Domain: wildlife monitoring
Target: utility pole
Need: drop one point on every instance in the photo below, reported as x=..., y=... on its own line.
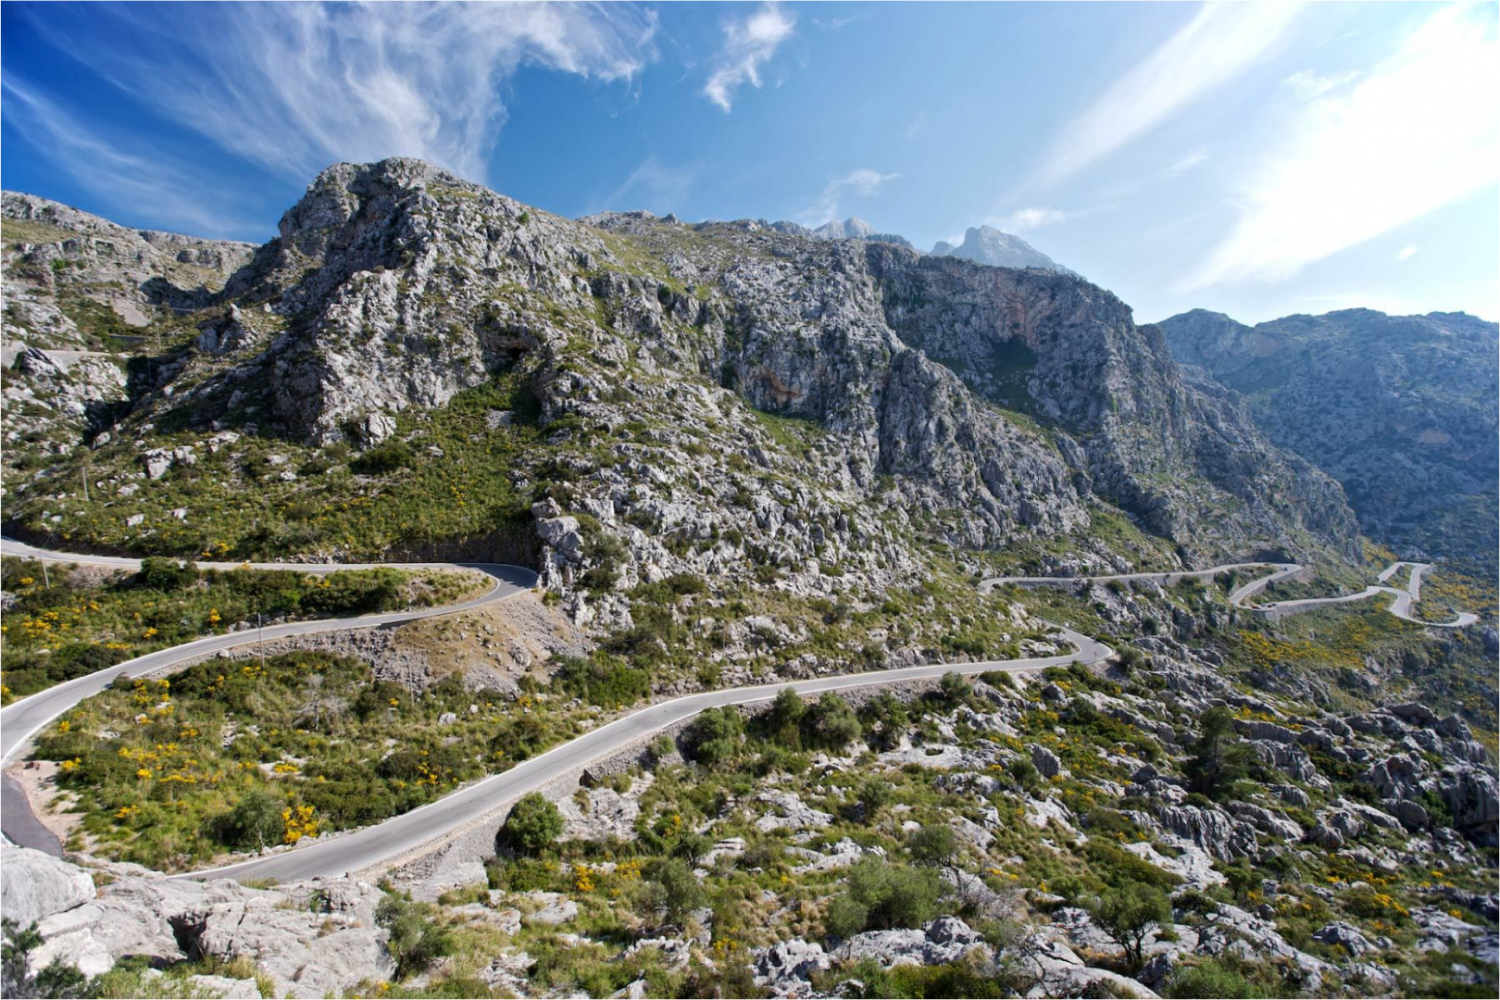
x=85, y=473
x=46, y=579
x=260, y=643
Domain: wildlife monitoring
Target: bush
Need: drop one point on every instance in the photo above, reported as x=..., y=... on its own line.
x=383, y=459
x=160, y=573
x=415, y=942
x=254, y=823
x=533, y=824
x=673, y=890
x=1209, y=980
x=715, y=737
x=1129, y=914
x=880, y=896
x=830, y=724
x=601, y=680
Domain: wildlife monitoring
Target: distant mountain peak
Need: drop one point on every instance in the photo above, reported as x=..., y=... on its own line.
x=852, y=228
x=988, y=245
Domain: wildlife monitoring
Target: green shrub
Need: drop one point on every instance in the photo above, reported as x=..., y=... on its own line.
x=382, y=459
x=160, y=573
x=881, y=896
x=253, y=824
x=716, y=737
x=1209, y=980
x=415, y=941
x=533, y=824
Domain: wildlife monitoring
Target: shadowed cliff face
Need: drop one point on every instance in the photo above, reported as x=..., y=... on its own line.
x=995, y=403
x=1402, y=410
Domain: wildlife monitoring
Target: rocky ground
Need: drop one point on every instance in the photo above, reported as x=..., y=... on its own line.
x=1050, y=835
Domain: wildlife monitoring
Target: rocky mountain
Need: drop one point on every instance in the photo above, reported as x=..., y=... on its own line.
x=395, y=287
x=737, y=454
x=852, y=228
x=988, y=245
x=1402, y=410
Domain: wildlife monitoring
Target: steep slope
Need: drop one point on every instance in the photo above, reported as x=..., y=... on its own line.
x=988, y=245
x=1402, y=410
x=707, y=398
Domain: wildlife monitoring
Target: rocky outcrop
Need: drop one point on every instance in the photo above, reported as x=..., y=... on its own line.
x=988, y=245
x=313, y=940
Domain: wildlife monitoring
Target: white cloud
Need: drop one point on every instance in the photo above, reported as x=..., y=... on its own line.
x=747, y=45
x=1025, y=219
x=1188, y=162
x=297, y=86
x=653, y=185
x=148, y=185
x=1219, y=43
x=1308, y=85
x=862, y=182
x=1406, y=253
x=918, y=125
x=1417, y=132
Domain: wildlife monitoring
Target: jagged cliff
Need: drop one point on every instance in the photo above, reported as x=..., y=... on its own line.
x=395, y=287
x=1402, y=410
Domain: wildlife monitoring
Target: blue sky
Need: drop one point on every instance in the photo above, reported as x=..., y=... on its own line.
x=1257, y=159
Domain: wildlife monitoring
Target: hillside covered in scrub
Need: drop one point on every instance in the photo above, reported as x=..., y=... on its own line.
x=736, y=455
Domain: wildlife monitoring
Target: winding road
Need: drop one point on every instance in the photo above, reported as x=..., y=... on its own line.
x=401, y=835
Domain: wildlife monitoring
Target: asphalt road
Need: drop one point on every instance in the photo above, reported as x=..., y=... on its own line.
x=1400, y=606
x=24, y=719
x=337, y=854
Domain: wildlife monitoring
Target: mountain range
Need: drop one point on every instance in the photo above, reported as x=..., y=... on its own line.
x=728, y=458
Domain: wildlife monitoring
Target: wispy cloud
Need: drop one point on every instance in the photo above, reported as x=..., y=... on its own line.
x=1217, y=45
x=862, y=182
x=1307, y=84
x=1026, y=219
x=748, y=44
x=918, y=125
x=1406, y=253
x=151, y=186
x=1190, y=161
x=653, y=185
x=1417, y=132
x=296, y=86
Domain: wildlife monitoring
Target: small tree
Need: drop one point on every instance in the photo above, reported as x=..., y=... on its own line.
x=56, y=980
x=1219, y=757
x=716, y=737
x=831, y=723
x=414, y=941
x=784, y=719
x=533, y=824
x=254, y=823
x=953, y=687
x=1129, y=913
x=673, y=890
x=881, y=896
x=691, y=847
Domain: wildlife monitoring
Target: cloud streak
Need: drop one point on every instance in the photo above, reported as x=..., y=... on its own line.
x=748, y=45
x=294, y=87
x=862, y=182
x=1217, y=45
x=150, y=185
x=1415, y=133
x=1026, y=219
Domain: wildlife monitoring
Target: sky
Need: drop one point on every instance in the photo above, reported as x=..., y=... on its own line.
x=1258, y=159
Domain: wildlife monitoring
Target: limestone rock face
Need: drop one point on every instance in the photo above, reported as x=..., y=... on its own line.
x=988, y=245
x=884, y=381
x=37, y=885
x=1420, y=465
